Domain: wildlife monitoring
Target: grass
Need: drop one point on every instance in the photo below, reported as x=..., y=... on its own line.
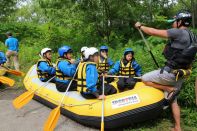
x=165, y=123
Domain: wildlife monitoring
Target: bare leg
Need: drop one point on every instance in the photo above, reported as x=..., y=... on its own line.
x=16, y=63
x=196, y=90
x=158, y=86
x=8, y=55
x=176, y=115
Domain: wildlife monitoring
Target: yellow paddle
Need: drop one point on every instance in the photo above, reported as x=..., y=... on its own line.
x=7, y=81
x=52, y=120
x=14, y=72
x=23, y=99
x=103, y=104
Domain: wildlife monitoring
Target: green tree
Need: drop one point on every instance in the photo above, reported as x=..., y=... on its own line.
x=7, y=7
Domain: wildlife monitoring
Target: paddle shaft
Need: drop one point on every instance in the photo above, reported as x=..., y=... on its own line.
x=122, y=77
x=55, y=113
x=68, y=86
x=46, y=83
x=103, y=105
x=146, y=43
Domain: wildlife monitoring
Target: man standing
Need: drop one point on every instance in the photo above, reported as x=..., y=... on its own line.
x=13, y=45
x=180, y=39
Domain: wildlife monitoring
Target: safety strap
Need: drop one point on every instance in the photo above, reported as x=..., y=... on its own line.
x=193, y=38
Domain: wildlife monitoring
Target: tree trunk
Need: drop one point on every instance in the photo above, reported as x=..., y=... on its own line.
x=193, y=13
x=196, y=90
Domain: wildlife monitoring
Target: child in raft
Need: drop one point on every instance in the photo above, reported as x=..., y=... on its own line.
x=104, y=61
x=2, y=59
x=82, y=58
x=127, y=66
x=82, y=53
x=87, y=77
x=65, y=69
x=45, y=69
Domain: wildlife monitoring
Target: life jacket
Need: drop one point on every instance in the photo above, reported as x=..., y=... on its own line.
x=59, y=74
x=126, y=70
x=81, y=76
x=40, y=73
x=181, y=58
x=103, y=66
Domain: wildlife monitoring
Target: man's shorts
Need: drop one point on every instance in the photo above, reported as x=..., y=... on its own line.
x=165, y=78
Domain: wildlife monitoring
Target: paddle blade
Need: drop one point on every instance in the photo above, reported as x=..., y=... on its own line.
x=51, y=122
x=7, y=81
x=23, y=99
x=15, y=72
x=102, y=126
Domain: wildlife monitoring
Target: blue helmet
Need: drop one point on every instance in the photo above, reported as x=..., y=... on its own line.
x=104, y=48
x=63, y=50
x=128, y=50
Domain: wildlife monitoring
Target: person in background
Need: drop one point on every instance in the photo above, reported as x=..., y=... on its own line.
x=104, y=61
x=65, y=69
x=179, y=52
x=2, y=58
x=45, y=69
x=87, y=77
x=127, y=66
x=13, y=48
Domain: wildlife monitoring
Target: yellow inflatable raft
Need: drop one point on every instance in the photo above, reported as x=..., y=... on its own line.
x=139, y=104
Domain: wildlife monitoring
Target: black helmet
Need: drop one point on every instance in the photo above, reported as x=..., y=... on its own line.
x=185, y=16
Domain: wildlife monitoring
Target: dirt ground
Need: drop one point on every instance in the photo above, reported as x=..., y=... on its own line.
x=31, y=117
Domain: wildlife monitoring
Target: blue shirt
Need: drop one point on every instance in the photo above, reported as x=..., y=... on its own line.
x=67, y=69
x=91, y=77
x=135, y=66
x=2, y=58
x=44, y=67
x=12, y=44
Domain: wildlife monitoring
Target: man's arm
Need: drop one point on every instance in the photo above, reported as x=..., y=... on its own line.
x=152, y=31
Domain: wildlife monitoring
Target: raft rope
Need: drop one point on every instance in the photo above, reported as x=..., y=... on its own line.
x=67, y=105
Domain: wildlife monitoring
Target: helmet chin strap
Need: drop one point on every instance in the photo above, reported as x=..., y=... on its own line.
x=178, y=26
x=40, y=56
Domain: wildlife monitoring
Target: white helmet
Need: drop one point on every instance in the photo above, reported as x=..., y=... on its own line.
x=83, y=48
x=44, y=50
x=90, y=51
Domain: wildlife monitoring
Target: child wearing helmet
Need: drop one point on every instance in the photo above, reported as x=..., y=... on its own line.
x=65, y=69
x=82, y=52
x=87, y=77
x=127, y=66
x=45, y=69
x=104, y=62
x=82, y=58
